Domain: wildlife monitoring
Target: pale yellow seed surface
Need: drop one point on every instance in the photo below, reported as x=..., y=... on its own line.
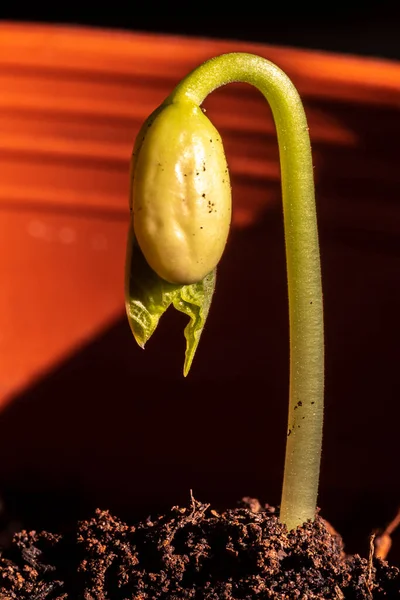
x=181, y=195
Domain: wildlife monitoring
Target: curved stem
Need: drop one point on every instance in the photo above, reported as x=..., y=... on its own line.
x=303, y=448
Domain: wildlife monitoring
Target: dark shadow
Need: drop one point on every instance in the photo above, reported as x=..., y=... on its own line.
x=118, y=427
x=358, y=192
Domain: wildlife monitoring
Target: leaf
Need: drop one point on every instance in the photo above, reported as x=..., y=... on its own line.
x=147, y=297
x=195, y=300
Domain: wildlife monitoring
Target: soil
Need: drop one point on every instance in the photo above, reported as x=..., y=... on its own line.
x=191, y=553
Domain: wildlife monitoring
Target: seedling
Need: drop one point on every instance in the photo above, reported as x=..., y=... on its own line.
x=180, y=205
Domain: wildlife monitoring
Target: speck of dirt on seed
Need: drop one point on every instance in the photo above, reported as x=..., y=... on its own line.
x=211, y=206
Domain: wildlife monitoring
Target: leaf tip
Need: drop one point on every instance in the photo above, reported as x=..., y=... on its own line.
x=189, y=355
x=140, y=343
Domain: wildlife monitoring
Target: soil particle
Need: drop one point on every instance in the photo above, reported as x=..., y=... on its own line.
x=195, y=553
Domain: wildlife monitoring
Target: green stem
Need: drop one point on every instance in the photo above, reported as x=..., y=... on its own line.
x=303, y=448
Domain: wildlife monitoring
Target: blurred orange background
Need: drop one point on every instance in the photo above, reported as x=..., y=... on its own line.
x=88, y=419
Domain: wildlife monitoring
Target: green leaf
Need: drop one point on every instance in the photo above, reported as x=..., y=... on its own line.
x=147, y=297
x=195, y=300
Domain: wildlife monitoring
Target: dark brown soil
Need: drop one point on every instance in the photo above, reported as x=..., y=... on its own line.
x=194, y=553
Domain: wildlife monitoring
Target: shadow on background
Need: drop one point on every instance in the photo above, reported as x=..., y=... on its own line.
x=119, y=427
